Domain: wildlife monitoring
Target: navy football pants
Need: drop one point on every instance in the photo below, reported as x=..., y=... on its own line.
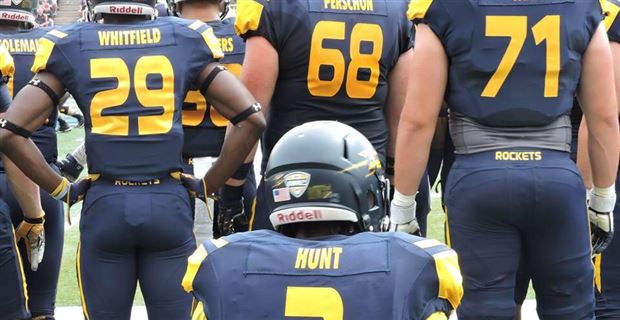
x=499, y=211
x=131, y=234
x=13, y=296
x=608, y=273
x=42, y=284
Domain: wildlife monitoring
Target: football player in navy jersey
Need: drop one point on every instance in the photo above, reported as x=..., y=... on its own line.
x=327, y=60
x=205, y=128
x=13, y=292
x=509, y=72
x=129, y=76
x=20, y=38
x=607, y=264
x=326, y=188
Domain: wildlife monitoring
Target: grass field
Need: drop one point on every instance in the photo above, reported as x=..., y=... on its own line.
x=68, y=293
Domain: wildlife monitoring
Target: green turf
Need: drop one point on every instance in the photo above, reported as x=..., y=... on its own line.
x=68, y=293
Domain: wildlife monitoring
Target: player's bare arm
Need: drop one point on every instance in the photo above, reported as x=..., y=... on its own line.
x=427, y=83
x=398, y=79
x=232, y=99
x=595, y=94
x=260, y=70
x=34, y=106
x=26, y=192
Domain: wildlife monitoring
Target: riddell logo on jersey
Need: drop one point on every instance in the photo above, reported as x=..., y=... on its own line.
x=13, y=16
x=300, y=215
x=126, y=10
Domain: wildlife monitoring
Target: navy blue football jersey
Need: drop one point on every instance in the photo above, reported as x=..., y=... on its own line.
x=265, y=275
x=512, y=63
x=612, y=22
x=130, y=82
x=204, y=127
x=23, y=46
x=334, y=61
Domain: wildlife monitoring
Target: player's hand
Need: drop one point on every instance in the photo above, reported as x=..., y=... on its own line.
x=70, y=168
x=231, y=217
x=602, y=229
x=601, y=221
x=402, y=219
x=77, y=191
x=33, y=233
x=197, y=188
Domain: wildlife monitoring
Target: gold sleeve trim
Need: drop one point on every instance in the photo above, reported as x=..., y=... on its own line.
x=249, y=13
x=193, y=264
x=612, y=13
x=7, y=65
x=46, y=46
x=418, y=9
x=450, y=279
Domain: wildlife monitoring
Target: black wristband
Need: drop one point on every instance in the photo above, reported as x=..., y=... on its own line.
x=254, y=108
x=242, y=172
x=389, y=169
x=230, y=193
x=35, y=220
x=50, y=93
x=8, y=125
x=205, y=85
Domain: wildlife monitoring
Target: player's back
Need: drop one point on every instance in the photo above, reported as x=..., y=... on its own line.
x=265, y=275
x=334, y=60
x=512, y=63
x=23, y=46
x=204, y=127
x=130, y=82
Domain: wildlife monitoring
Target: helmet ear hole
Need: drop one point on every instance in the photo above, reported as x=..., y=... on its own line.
x=372, y=200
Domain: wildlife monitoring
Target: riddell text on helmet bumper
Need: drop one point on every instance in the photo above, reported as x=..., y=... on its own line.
x=126, y=10
x=299, y=215
x=15, y=16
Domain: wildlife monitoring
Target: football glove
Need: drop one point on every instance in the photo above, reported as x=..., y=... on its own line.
x=197, y=188
x=402, y=214
x=33, y=233
x=70, y=168
x=401, y=224
x=71, y=193
x=601, y=218
x=231, y=217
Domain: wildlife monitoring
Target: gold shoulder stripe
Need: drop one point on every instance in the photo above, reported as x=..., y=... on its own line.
x=418, y=9
x=428, y=243
x=199, y=312
x=7, y=65
x=213, y=43
x=193, y=264
x=438, y=316
x=46, y=46
x=612, y=13
x=249, y=13
x=57, y=34
x=450, y=279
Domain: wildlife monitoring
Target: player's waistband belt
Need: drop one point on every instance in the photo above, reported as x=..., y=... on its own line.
x=515, y=156
x=173, y=178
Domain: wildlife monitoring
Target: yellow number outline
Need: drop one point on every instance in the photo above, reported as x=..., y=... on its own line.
x=193, y=118
x=515, y=27
x=320, y=56
x=314, y=302
x=164, y=98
